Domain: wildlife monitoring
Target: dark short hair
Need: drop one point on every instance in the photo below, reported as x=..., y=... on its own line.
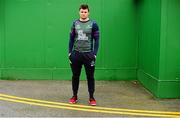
x=84, y=6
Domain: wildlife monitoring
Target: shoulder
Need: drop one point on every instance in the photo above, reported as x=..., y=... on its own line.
x=75, y=22
x=93, y=22
x=94, y=25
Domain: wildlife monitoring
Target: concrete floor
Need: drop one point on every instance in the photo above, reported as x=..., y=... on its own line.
x=111, y=94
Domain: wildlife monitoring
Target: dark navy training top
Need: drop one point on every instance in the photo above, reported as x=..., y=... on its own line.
x=84, y=36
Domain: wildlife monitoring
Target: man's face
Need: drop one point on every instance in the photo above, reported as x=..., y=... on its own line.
x=84, y=13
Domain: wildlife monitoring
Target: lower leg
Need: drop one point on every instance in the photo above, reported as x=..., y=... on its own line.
x=75, y=85
x=91, y=87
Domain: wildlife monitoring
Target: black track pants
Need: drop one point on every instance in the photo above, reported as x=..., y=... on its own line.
x=77, y=59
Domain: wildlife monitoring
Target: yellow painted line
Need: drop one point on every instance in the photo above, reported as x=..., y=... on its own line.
x=91, y=107
x=88, y=110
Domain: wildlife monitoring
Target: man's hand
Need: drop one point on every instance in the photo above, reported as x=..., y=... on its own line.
x=69, y=54
x=95, y=56
x=69, y=58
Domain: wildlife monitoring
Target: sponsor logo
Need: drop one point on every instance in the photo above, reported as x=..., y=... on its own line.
x=81, y=35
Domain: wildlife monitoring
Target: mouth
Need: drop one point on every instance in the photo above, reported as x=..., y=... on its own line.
x=83, y=16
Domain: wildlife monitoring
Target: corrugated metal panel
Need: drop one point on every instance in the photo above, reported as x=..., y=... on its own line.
x=37, y=34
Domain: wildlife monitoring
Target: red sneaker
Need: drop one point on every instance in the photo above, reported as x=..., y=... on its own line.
x=73, y=100
x=92, y=102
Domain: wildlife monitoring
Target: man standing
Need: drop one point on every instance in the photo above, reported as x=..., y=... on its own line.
x=83, y=48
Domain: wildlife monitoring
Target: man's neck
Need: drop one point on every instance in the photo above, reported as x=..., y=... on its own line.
x=84, y=19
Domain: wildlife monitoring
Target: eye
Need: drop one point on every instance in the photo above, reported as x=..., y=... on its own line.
x=84, y=12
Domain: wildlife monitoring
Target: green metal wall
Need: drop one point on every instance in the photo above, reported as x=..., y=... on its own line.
x=159, y=51
x=149, y=15
x=1, y=34
x=169, y=73
x=35, y=33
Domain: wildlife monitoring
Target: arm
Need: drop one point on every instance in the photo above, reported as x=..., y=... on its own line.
x=95, y=34
x=71, y=38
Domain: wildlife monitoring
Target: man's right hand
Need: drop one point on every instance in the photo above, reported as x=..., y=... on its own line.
x=69, y=54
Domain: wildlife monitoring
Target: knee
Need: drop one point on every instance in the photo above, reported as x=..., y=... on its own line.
x=90, y=77
x=75, y=76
